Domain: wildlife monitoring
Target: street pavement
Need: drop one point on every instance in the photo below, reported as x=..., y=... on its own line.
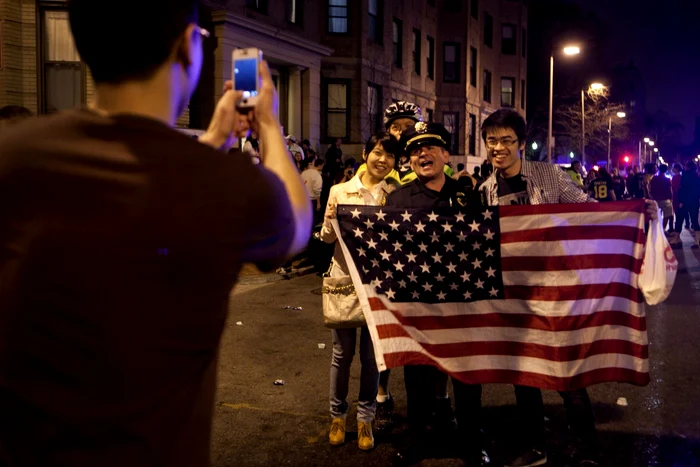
x=259, y=424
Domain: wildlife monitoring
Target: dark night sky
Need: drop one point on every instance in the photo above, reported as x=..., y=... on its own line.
x=662, y=38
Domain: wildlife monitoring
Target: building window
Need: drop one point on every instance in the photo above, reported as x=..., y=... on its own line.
x=428, y=115
x=258, y=5
x=416, y=51
x=453, y=5
x=472, y=67
x=522, y=94
x=475, y=9
x=450, y=62
x=472, y=134
x=523, y=43
x=376, y=20
x=450, y=121
x=487, y=86
x=374, y=105
x=338, y=16
x=62, y=71
x=337, y=109
x=508, y=42
x=507, y=92
x=430, y=61
x=397, y=42
x=488, y=30
x=295, y=11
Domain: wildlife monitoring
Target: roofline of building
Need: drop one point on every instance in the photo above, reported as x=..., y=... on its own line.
x=259, y=27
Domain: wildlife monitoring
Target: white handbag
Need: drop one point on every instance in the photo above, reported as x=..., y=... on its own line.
x=341, y=306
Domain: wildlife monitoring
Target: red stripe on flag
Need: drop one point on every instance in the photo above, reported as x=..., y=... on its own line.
x=518, y=320
x=570, y=263
x=580, y=208
x=603, y=375
x=574, y=232
x=544, y=352
x=572, y=292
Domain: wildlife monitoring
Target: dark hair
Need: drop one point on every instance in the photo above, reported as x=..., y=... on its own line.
x=387, y=141
x=505, y=119
x=678, y=167
x=460, y=167
x=306, y=142
x=663, y=168
x=604, y=174
x=318, y=162
x=15, y=112
x=573, y=163
x=477, y=169
x=649, y=168
x=129, y=39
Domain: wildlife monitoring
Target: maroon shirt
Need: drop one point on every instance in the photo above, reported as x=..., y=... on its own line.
x=120, y=240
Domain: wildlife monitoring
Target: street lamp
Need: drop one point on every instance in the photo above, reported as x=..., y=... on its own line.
x=597, y=87
x=619, y=115
x=656, y=149
x=646, y=140
x=534, y=146
x=568, y=50
x=594, y=88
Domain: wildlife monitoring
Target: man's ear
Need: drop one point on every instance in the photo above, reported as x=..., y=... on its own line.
x=364, y=155
x=184, y=46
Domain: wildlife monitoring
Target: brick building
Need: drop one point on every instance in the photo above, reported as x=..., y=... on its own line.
x=458, y=59
x=336, y=63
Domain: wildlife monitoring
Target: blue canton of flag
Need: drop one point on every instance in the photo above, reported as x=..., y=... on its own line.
x=425, y=255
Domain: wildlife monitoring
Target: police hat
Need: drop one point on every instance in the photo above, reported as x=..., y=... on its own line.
x=425, y=134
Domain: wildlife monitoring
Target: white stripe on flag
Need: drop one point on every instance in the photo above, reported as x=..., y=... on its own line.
x=541, y=221
x=575, y=277
x=570, y=248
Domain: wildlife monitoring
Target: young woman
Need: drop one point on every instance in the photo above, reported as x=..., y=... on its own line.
x=367, y=188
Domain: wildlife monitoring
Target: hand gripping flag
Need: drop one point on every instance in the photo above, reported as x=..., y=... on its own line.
x=543, y=296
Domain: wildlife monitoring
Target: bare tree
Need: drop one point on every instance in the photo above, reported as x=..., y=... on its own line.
x=600, y=114
x=376, y=74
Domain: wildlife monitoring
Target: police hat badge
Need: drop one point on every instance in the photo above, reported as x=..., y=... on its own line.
x=421, y=127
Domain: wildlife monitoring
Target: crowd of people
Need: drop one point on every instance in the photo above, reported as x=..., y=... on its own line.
x=120, y=240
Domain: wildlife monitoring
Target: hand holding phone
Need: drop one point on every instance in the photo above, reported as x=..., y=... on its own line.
x=246, y=75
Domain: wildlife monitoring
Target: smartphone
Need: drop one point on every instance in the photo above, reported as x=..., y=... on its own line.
x=245, y=74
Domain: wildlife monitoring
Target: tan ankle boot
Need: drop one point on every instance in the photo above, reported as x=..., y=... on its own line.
x=337, y=434
x=365, y=438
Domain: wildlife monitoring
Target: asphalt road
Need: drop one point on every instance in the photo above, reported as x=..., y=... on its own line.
x=259, y=424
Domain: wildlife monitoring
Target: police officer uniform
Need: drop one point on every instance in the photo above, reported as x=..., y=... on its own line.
x=421, y=380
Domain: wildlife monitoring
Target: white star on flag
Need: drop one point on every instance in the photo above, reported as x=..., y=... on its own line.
x=371, y=244
x=449, y=247
x=380, y=215
x=425, y=268
x=375, y=263
x=397, y=246
x=411, y=257
x=361, y=252
x=451, y=267
x=479, y=284
x=465, y=276
x=467, y=295
x=476, y=245
x=412, y=277
x=402, y=284
x=447, y=226
x=358, y=232
x=489, y=252
x=384, y=236
x=389, y=274
x=423, y=247
x=390, y=294
x=441, y=296
x=355, y=213
x=369, y=224
x=409, y=236
x=463, y=257
x=427, y=287
x=493, y=292
x=385, y=255
x=487, y=214
x=432, y=217
x=491, y=272
x=437, y=258
x=420, y=227
x=415, y=295
x=376, y=283
x=454, y=286
x=434, y=238
x=489, y=235
x=398, y=266
x=474, y=226
x=406, y=217
x=439, y=277
x=462, y=236
x=476, y=263
x=394, y=225
x=460, y=217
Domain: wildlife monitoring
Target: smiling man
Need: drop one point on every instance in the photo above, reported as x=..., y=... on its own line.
x=426, y=144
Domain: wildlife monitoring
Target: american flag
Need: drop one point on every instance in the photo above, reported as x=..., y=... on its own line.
x=543, y=296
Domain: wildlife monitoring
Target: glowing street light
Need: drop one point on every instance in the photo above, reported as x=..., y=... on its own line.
x=597, y=87
x=621, y=115
x=571, y=154
x=646, y=140
x=651, y=143
x=568, y=50
x=534, y=146
x=656, y=149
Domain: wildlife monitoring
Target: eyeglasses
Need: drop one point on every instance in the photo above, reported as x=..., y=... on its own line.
x=505, y=141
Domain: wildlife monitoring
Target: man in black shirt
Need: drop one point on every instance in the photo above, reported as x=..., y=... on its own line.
x=426, y=144
x=120, y=240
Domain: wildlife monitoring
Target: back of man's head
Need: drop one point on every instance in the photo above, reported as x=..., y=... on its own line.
x=129, y=39
x=318, y=163
x=460, y=167
x=663, y=168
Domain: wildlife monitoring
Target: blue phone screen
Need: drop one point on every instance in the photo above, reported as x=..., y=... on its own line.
x=245, y=72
